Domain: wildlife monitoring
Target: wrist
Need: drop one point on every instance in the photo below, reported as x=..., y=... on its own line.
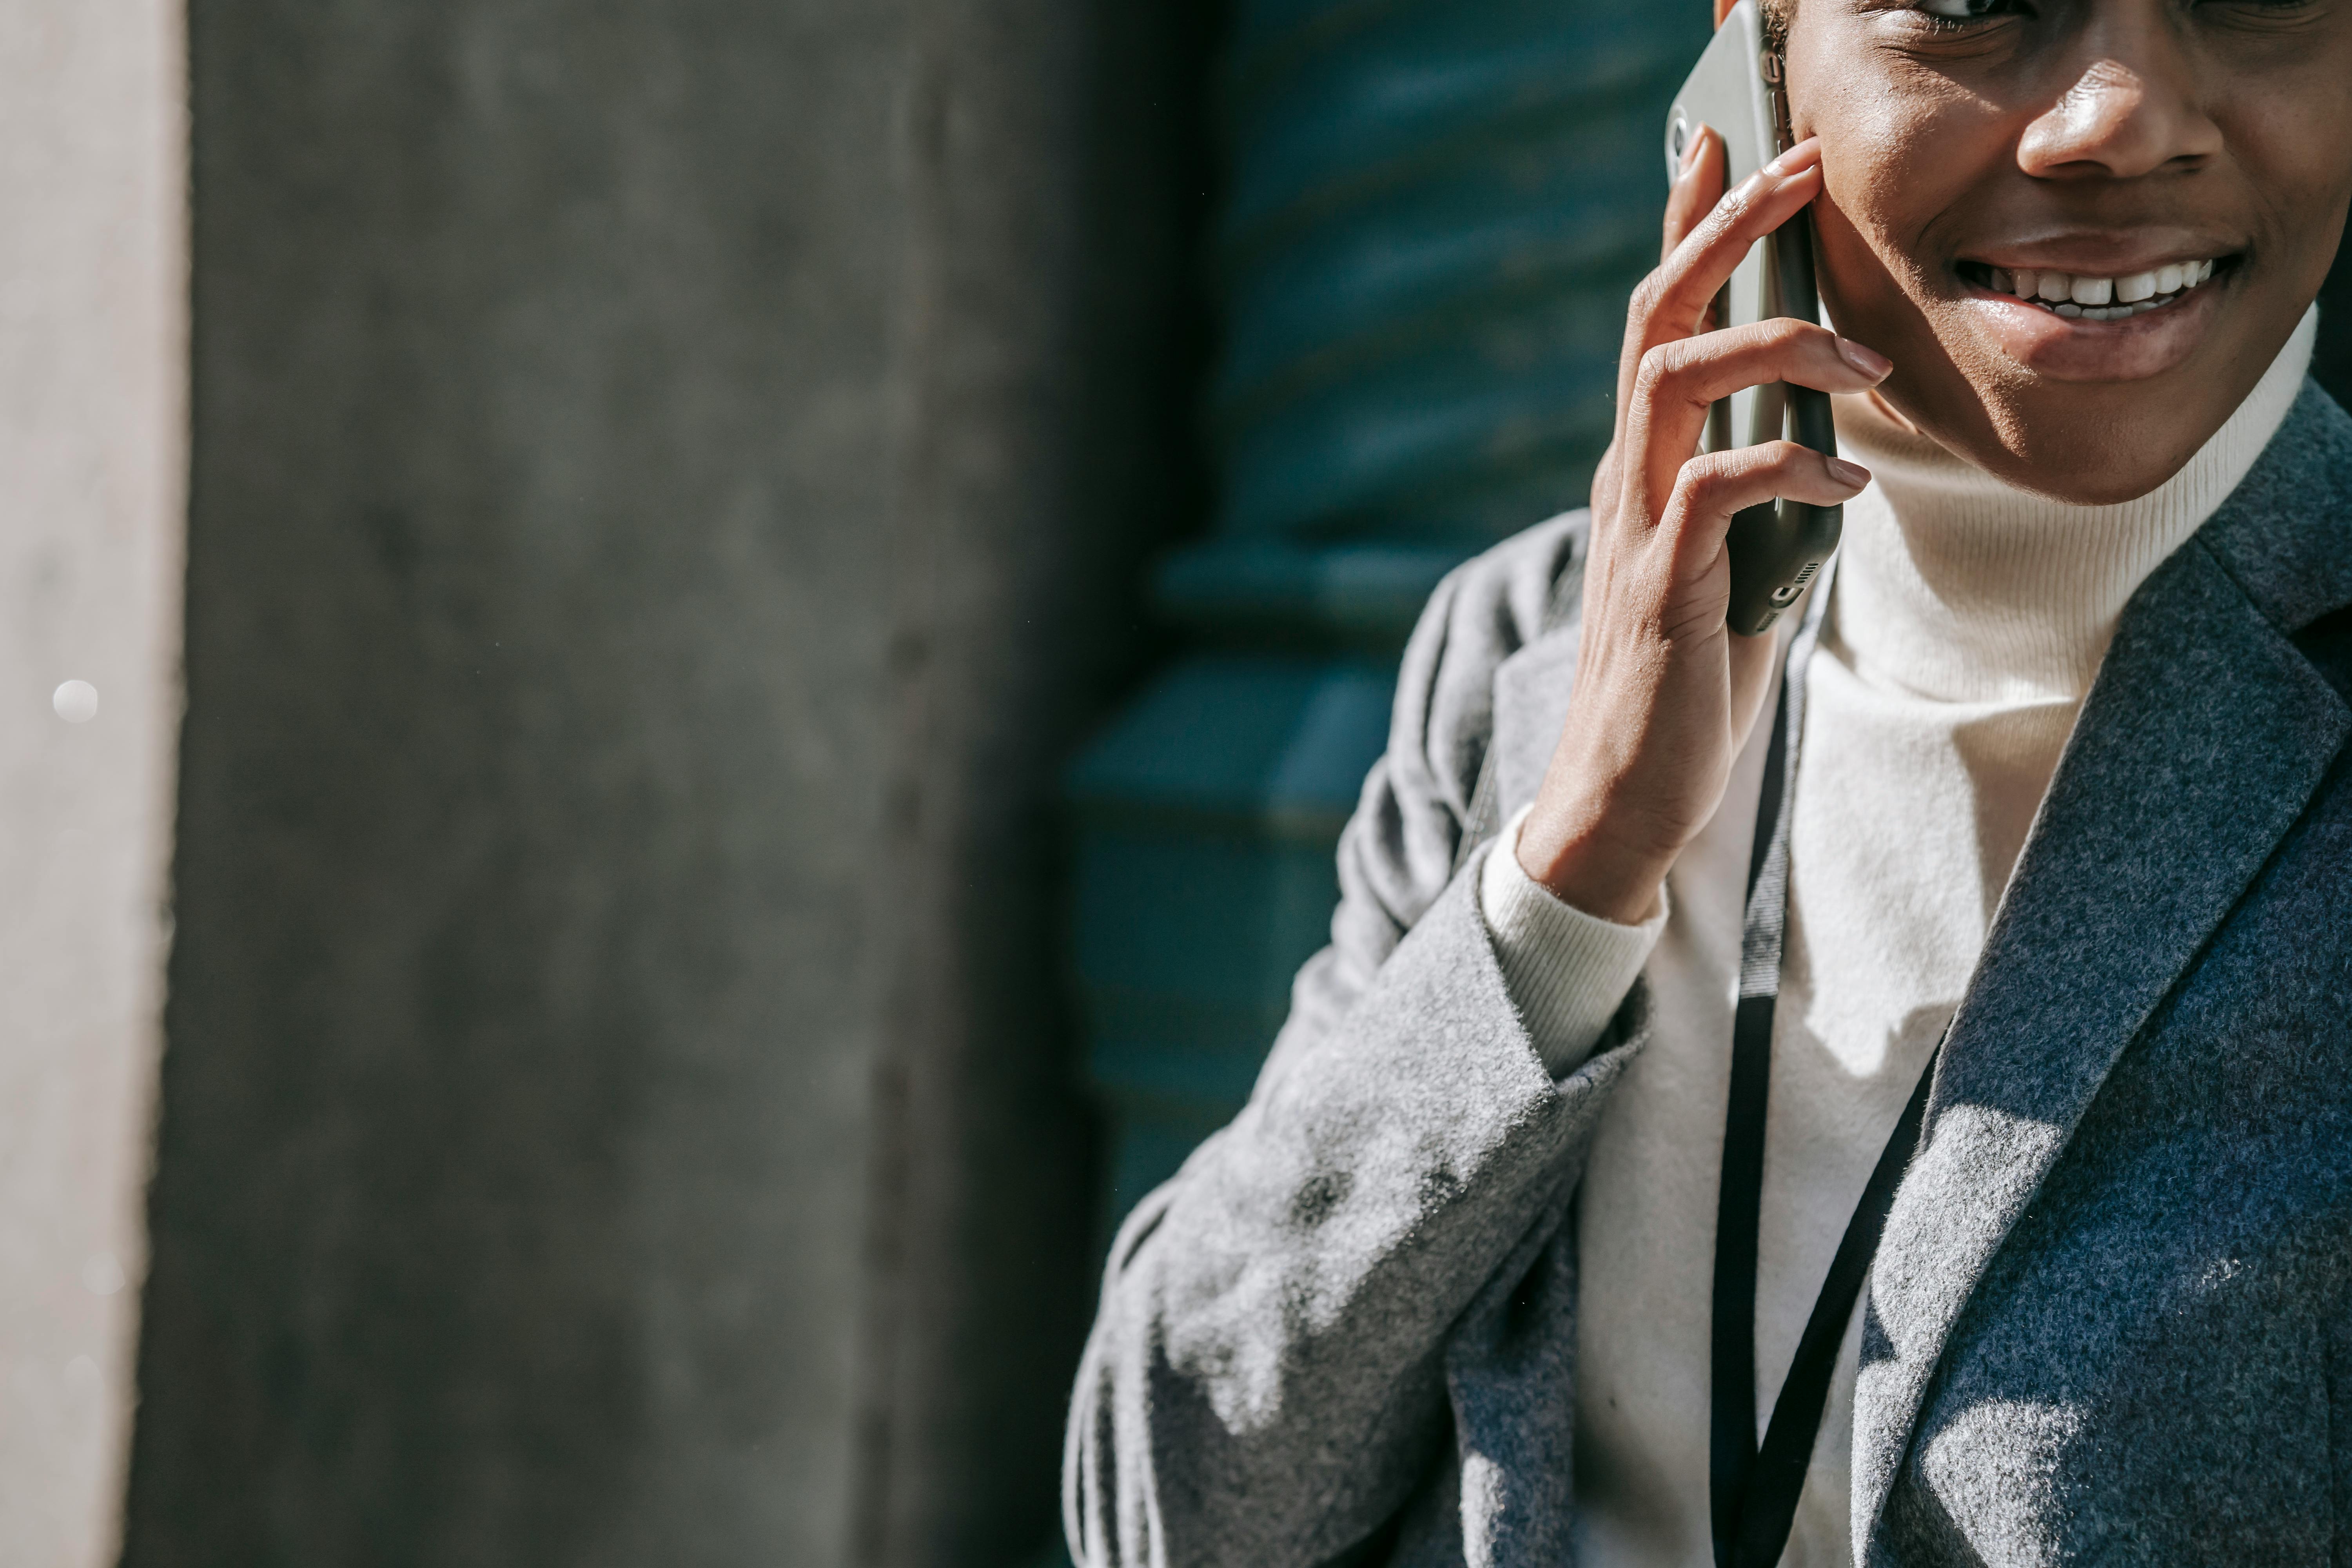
x=1583, y=864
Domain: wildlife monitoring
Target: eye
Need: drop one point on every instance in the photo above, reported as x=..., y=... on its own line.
x=1958, y=13
x=2263, y=9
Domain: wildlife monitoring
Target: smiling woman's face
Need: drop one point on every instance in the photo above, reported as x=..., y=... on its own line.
x=2113, y=149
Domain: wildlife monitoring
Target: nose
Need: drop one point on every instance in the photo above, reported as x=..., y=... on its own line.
x=2126, y=113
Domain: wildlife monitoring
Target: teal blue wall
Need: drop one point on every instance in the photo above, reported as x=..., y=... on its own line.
x=1432, y=216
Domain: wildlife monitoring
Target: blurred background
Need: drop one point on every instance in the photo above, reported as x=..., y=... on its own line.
x=679, y=676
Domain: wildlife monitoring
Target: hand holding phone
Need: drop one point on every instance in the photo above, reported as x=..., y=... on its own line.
x=1666, y=693
x=1736, y=90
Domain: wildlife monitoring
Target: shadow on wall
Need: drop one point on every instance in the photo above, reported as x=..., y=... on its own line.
x=671, y=479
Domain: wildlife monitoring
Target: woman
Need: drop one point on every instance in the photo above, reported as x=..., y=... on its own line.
x=2047, y=838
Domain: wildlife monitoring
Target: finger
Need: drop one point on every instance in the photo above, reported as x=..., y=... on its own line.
x=1715, y=486
x=1676, y=382
x=1672, y=302
x=1698, y=186
x=1672, y=298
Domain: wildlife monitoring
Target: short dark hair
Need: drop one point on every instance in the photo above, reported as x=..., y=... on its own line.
x=1776, y=23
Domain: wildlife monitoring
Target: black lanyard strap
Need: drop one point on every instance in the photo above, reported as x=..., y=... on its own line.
x=1753, y=1494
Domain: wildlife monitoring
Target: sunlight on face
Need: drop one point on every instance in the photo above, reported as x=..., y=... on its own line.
x=2082, y=230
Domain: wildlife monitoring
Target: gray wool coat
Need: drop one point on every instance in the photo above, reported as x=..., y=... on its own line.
x=2109, y=1320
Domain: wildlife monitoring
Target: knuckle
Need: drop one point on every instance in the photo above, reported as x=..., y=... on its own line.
x=1735, y=205
x=1772, y=336
x=1814, y=341
x=1702, y=477
x=1658, y=365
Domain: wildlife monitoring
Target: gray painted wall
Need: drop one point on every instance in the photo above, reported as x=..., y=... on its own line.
x=92, y=464
x=666, y=474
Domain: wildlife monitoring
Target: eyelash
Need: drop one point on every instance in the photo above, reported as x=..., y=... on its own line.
x=1943, y=24
x=1995, y=9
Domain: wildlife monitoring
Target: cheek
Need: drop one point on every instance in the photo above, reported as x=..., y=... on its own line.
x=1886, y=227
x=1887, y=164
x=2285, y=115
x=2296, y=167
x=1876, y=211
x=1905, y=178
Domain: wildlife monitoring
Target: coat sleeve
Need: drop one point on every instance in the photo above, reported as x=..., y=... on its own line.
x=1265, y=1383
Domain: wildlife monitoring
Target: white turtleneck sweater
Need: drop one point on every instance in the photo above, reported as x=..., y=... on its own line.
x=1966, y=623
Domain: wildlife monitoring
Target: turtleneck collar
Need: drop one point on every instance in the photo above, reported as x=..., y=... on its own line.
x=1954, y=586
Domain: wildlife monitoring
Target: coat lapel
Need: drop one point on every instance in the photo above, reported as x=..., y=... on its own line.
x=2199, y=746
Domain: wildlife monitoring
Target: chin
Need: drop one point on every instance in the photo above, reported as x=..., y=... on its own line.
x=2087, y=450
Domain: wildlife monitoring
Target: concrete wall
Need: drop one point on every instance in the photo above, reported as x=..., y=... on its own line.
x=92, y=462
x=665, y=477
x=1054, y=450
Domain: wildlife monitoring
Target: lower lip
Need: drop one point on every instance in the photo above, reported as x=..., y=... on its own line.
x=2068, y=348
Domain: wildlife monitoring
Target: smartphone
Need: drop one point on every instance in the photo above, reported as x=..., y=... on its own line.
x=1777, y=548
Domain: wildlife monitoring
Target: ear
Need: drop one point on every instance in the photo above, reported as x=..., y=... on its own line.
x=1723, y=9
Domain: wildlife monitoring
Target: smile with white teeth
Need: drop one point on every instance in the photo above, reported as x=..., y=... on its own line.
x=2073, y=295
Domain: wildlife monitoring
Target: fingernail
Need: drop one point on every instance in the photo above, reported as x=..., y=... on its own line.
x=1690, y=152
x=1871, y=364
x=1847, y=473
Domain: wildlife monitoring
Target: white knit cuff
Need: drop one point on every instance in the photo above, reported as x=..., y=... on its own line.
x=1567, y=972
